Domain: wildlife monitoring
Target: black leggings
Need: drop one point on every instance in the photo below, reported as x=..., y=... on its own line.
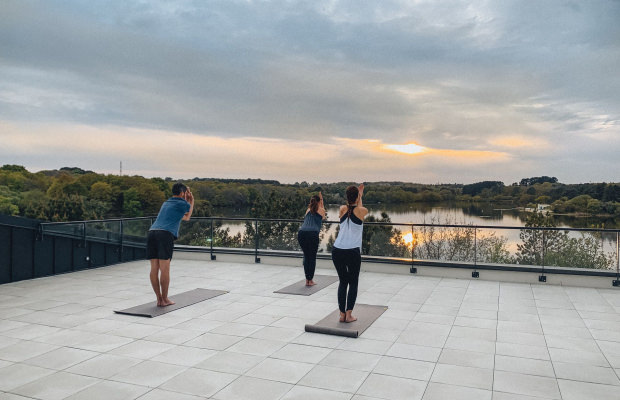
x=309, y=242
x=347, y=263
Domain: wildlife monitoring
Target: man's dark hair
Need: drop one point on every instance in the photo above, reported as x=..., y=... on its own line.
x=178, y=188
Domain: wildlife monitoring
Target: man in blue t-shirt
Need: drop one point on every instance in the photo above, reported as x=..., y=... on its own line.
x=161, y=237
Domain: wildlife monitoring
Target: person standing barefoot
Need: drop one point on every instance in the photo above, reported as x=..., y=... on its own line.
x=346, y=254
x=308, y=235
x=161, y=237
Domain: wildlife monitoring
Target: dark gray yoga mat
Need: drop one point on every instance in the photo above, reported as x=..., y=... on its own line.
x=366, y=314
x=182, y=300
x=322, y=281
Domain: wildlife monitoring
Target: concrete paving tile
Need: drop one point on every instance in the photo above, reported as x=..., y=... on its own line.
x=230, y=362
x=586, y=373
x=414, y=352
x=528, y=385
x=404, y=368
x=522, y=365
x=463, y=376
x=199, y=382
x=304, y=393
x=466, y=358
x=213, y=341
x=351, y=360
x=248, y=388
x=56, y=386
x=158, y=394
x=319, y=340
x=142, y=349
x=184, y=355
x=301, y=353
x=16, y=375
x=148, y=373
x=61, y=358
x=107, y=390
x=364, y=345
x=280, y=370
x=441, y=391
x=573, y=390
x=330, y=378
x=578, y=357
x=258, y=347
x=25, y=349
x=275, y=333
x=103, y=366
x=390, y=387
x=522, y=350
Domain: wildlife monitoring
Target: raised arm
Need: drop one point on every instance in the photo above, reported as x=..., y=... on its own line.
x=189, y=197
x=363, y=211
x=321, y=210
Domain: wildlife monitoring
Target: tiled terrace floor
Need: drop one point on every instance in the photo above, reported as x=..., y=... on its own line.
x=440, y=339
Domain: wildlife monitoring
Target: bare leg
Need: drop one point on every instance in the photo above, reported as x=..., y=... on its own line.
x=164, y=267
x=155, y=281
x=349, y=317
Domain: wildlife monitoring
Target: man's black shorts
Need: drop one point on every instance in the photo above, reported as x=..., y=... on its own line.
x=159, y=245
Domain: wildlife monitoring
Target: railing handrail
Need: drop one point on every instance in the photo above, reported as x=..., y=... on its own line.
x=408, y=224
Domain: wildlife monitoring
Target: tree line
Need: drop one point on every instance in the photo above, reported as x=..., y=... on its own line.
x=71, y=193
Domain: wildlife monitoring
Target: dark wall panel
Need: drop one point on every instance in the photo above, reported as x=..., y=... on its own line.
x=112, y=254
x=5, y=254
x=44, y=257
x=63, y=255
x=23, y=251
x=80, y=253
x=97, y=254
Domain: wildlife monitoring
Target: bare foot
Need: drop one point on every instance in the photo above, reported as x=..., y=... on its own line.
x=310, y=282
x=349, y=317
x=160, y=303
x=342, y=317
x=168, y=302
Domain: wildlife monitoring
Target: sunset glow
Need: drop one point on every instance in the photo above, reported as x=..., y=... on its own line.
x=409, y=148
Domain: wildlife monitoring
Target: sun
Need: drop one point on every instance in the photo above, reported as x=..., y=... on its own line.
x=409, y=148
x=408, y=239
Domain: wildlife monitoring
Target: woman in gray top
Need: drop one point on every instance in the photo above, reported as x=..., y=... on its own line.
x=308, y=235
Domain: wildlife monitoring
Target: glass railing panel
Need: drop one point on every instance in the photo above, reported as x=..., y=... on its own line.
x=578, y=249
x=496, y=246
x=384, y=240
x=441, y=243
x=73, y=230
x=217, y=232
x=278, y=235
x=136, y=230
x=106, y=231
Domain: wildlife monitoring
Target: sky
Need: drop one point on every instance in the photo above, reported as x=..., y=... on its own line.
x=423, y=91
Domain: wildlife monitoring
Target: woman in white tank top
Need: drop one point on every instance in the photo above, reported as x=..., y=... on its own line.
x=346, y=254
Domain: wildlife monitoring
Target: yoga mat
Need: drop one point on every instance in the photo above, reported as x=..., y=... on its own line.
x=184, y=299
x=366, y=314
x=300, y=288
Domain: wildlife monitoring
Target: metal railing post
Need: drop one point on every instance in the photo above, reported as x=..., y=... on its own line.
x=256, y=239
x=84, y=234
x=617, y=281
x=412, y=269
x=121, y=240
x=542, y=277
x=475, y=273
x=212, y=256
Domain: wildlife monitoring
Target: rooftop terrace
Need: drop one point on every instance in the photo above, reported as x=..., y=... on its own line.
x=440, y=338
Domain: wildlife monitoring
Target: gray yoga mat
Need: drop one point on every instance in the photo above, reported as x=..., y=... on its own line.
x=184, y=299
x=300, y=288
x=366, y=314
